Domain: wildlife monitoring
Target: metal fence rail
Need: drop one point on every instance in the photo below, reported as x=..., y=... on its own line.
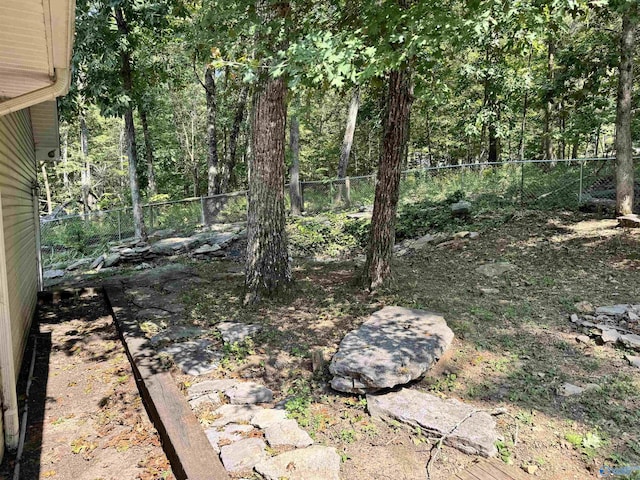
x=531, y=183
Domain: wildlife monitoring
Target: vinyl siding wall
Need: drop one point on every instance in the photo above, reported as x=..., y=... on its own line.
x=17, y=176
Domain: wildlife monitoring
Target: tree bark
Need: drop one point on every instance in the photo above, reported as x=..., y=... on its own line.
x=377, y=268
x=85, y=179
x=230, y=164
x=349, y=130
x=140, y=230
x=547, y=134
x=152, y=188
x=624, y=152
x=295, y=195
x=267, y=269
x=213, y=167
x=47, y=187
x=65, y=158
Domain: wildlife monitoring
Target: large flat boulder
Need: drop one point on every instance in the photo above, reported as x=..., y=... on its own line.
x=173, y=245
x=312, y=463
x=393, y=346
x=466, y=428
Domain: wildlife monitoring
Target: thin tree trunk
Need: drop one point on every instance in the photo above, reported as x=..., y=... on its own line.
x=267, y=268
x=377, y=268
x=624, y=152
x=547, y=140
x=65, y=158
x=574, y=148
x=148, y=152
x=234, y=134
x=525, y=106
x=493, y=143
x=597, y=143
x=140, y=230
x=349, y=131
x=84, y=149
x=47, y=188
x=295, y=195
x=213, y=168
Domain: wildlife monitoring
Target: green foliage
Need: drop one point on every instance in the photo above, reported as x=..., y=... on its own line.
x=299, y=403
x=331, y=234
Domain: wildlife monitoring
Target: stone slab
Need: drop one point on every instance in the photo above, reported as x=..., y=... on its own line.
x=234, y=414
x=287, y=433
x=496, y=269
x=268, y=416
x=243, y=455
x=467, y=428
x=194, y=357
x=229, y=434
x=393, y=346
x=233, y=332
x=312, y=463
x=248, y=393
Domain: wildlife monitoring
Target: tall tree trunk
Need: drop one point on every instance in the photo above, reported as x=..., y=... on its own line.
x=547, y=134
x=65, y=158
x=85, y=172
x=382, y=235
x=47, y=187
x=349, y=130
x=267, y=269
x=493, y=143
x=148, y=153
x=213, y=167
x=140, y=230
x=295, y=195
x=347, y=142
x=234, y=134
x=624, y=152
x=525, y=107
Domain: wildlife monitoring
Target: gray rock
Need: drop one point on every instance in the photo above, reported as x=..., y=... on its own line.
x=630, y=340
x=209, y=400
x=584, y=307
x=235, y=414
x=49, y=274
x=152, y=314
x=248, y=392
x=489, y=291
x=473, y=235
x=287, y=433
x=583, y=339
x=78, y=263
x=633, y=317
x=243, y=455
x=569, y=390
x=613, y=310
x=231, y=433
x=111, y=260
x=170, y=246
x=574, y=318
x=206, y=249
x=461, y=208
x=633, y=360
x=629, y=221
x=176, y=333
x=210, y=386
x=468, y=429
x=237, y=332
x=393, y=346
x=497, y=269
x=609, y=335
x=97, y=262
x=312, y=463
x=194, y=357
x=167, y=232
x=267, y=417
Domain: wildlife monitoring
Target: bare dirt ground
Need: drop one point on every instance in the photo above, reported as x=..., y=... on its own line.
x=86, y=418
x=514, y=347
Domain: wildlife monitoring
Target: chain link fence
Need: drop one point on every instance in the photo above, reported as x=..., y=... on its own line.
x=532, y=184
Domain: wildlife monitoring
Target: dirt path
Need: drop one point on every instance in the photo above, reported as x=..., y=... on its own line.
x=86, y=418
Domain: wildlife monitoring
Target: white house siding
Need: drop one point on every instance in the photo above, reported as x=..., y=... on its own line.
x=17, y=177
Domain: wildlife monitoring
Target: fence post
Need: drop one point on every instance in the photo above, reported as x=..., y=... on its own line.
x=151, y=216
x=202, y=213
x=119, y=227
x=347, y=188
x=522, y=182
x=581, y=179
